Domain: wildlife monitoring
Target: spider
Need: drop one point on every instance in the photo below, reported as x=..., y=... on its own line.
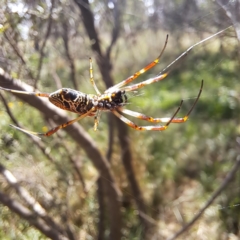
x=113, y=99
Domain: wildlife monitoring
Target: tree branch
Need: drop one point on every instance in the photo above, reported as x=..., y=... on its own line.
x=18, y=53
x=104, y=65
x=26, y=196
x=68, y=54
x=225, y=182
x=44, y=44
x=113, y=193
x=117, y=11
x=36, y=141
x=127, y=162
x=31, y=217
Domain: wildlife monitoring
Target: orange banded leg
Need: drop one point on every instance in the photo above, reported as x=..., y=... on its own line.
x=163, y=120
x=138, y=73
x=91, y=77
x=144, y=83
x=152, y=64
x=26, y=93
x=190, y=48
x=96, y=120
x=164, y=72
x=53, y=130
x=148, y=128
x=151, y=119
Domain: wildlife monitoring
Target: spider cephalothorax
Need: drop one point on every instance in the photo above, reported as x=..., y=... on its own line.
x=113, y=99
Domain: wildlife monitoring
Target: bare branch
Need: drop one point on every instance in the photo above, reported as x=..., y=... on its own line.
x=105, y=67
x=127, y=162
x=74, y=164
x=36, y=141
x=101, y=209
x=68, y=54
x=88, y=22
x=31, y=217
x=56, y=79
x=100, y=190
x=110, y=136
x=117, y=11
x=17, y=51
x=225, y=182
x=81, y=137
x=44, y=44
x=26, y=196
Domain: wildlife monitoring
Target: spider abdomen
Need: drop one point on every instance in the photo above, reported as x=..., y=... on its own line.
x=72, y=100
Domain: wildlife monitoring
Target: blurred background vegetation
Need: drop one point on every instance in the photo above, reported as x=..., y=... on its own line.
x=162, y=179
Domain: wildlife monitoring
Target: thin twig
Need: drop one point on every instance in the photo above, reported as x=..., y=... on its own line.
x=17, y=51
x=117, y=11
x=110, y=136
x=26, y=196
x=131, y=176
x=82, y=138
x=31, y=217
x=44, y=44
x=104, y=65
x=68, y=54
x=225, y=182
x=74, y=163
x=38, y=143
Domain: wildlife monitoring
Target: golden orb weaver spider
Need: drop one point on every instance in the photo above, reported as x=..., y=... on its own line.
x=113, y=99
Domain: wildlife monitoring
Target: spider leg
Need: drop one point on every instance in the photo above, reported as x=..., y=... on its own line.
x=53, y=130
x=26, y=93
x=148, y=128
x=144, y=83
x=138, y=73
x=91, y=77
x=163, y=120
x=96, y=120
x=184, y=54
x=164, y=73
